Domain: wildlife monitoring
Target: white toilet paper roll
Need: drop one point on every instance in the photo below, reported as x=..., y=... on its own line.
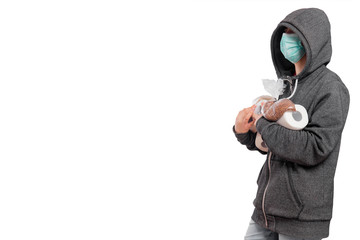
x=260, y=144
x=295, y=120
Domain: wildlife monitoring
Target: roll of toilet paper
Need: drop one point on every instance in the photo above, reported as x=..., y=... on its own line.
x=260, y=144
x=294, y=120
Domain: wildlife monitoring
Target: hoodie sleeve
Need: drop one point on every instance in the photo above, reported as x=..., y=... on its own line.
x=318, y=139
x=247, y=139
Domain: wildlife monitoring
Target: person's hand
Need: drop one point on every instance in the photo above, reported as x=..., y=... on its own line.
x=244, y=120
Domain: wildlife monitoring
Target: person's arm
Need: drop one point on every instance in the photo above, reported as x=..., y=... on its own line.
x=318, y=139
x=247, y=139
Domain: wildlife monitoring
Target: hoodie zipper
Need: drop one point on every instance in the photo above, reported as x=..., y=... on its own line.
x=269, y=164
x=267, y=185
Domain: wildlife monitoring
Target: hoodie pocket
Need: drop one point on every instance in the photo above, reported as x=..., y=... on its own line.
x=293, y=189
x=282, y=198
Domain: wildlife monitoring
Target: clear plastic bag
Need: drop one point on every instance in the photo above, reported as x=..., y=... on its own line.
x=273, y=110
x=261, y=101
x=275, y=88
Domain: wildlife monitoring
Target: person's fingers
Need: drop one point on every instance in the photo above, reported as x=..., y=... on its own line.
x=249, y=113
x=247, y=117
x=245, y=114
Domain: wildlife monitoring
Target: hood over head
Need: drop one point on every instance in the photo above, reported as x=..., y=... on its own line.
x=313, y=28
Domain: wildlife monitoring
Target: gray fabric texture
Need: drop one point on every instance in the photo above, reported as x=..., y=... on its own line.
x=300, y=179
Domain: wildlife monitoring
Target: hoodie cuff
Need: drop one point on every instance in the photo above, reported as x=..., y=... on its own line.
x=261, y=124
x=243, y=138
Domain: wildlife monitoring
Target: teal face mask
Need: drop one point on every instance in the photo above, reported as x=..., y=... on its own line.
x=291, y=47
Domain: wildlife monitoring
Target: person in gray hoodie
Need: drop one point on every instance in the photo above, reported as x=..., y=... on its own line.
x=294, y=199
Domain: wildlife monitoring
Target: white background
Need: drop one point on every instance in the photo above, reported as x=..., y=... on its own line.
x=116, y=117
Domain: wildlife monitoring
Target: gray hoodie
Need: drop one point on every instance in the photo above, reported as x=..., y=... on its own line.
x=296, y=183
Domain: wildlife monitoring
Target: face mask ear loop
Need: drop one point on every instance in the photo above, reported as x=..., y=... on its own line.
x=292, y=94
